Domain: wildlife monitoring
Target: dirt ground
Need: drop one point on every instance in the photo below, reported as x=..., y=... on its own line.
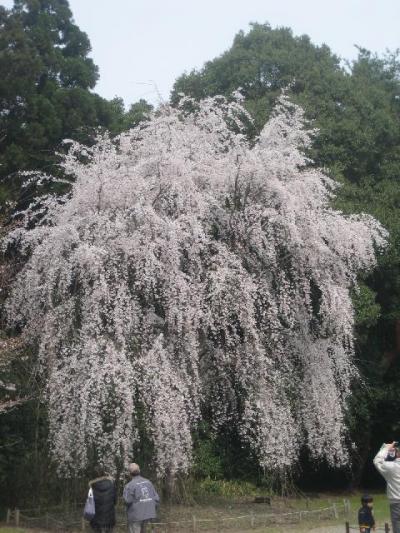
x=328, y=529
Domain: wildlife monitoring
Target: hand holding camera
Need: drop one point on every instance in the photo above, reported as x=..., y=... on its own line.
x=392, y=450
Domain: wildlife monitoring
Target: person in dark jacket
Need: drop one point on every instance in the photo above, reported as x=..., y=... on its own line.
x=105, y=498
x=141, y=499
x=366, y=519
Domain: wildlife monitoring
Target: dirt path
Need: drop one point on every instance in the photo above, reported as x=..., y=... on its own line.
x=328, y=529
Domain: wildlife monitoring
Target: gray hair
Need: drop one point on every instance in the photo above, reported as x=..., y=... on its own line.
x=134, y=469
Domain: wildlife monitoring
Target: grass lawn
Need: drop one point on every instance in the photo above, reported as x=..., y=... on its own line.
x=241, y=508
x=11, y=530
x=381, y=505
x=235, y=514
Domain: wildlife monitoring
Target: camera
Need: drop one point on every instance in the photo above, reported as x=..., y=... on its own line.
x=391, y=455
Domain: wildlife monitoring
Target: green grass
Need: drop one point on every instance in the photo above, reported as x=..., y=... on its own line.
x=11, y=530
x=217, y=507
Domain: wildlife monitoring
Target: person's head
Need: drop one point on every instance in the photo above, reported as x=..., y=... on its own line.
x=134, y=469
x=99, y=470
x=368, y=500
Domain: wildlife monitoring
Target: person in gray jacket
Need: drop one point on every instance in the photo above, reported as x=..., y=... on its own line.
x=390, y=470
x=141, y=499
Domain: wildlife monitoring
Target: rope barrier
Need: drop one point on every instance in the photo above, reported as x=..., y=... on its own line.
x=74, y=519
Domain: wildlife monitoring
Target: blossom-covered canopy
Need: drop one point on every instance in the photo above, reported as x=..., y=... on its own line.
x=191, y=273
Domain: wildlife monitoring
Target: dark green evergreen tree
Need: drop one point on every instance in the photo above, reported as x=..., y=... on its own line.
x=45, y=88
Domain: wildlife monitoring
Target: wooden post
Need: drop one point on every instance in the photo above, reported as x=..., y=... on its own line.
x=387, y=529
x=335, y=511
x=83, y=524
x=17, y=517
x=194, y=523
x=252, y=520
x=8, y=519
x=347, y=527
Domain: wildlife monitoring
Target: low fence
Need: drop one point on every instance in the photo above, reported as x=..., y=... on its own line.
x=61, y=519
x=350, y=528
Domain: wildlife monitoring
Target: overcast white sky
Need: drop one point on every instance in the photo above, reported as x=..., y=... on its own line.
x=140, y=44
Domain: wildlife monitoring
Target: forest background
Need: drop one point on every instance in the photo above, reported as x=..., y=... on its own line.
x=46, y=95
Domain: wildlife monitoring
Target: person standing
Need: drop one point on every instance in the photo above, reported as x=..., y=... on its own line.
x=390, y=470
x=366, y=519
x=105, y=498
x=141, y=499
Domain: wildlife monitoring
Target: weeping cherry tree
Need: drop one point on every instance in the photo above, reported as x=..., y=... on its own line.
x=190, y=273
